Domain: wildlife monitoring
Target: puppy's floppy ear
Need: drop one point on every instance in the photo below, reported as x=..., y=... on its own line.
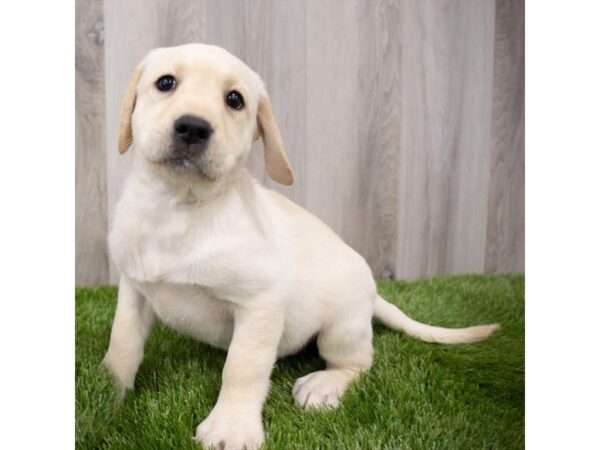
x=276, y=161
x=127, y=107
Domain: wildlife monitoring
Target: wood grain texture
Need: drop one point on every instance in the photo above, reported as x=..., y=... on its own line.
x=286, y=81
x=447, y=92
x=333, y=113
x=379, y=131
x=506, y=212
x=90, y=162
x=403, y=120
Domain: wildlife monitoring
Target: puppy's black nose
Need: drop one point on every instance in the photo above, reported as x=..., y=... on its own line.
x=192, y=129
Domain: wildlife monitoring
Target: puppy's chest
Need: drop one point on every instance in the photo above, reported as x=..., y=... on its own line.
x=178, y=247
x=162, y=250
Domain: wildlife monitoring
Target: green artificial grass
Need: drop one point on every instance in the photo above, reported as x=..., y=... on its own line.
x=417, y=395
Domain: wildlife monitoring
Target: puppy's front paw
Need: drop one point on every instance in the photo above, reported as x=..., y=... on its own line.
x=227, y=429
x=120, y=385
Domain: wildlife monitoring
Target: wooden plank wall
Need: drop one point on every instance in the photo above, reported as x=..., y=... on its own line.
x=91, y=227
x=404, y=120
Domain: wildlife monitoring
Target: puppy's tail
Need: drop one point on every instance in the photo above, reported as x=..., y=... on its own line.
x=392, y=317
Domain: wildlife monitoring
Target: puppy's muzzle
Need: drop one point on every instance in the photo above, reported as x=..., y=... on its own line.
x=191, y=135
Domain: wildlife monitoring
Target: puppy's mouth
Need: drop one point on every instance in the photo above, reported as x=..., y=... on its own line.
x=181, y=162
x=188, y=165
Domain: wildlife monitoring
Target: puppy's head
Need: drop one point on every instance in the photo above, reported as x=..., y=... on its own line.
x=192, y=113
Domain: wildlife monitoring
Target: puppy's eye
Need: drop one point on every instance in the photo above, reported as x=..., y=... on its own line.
x=235, y=100
x=166, y=83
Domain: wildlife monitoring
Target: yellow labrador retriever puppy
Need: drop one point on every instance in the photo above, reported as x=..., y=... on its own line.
x=206, y=249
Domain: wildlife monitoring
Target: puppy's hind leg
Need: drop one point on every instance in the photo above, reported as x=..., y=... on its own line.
x=348, y=350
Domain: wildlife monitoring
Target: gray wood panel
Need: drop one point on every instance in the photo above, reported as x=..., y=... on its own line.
x=333, y=112
x=447, y=66
x=404, y=120
x=380, y=131
x=91, y=260
x=505, y=249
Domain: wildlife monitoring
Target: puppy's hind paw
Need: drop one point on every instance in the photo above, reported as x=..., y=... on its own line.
x=322, y=389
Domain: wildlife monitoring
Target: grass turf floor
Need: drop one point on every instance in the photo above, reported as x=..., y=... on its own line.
x=417, y=395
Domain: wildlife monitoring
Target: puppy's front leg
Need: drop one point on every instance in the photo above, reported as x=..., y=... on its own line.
x=235, y=422
x=133, y=321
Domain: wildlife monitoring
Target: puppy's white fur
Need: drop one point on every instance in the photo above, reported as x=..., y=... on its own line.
x=216, y=256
